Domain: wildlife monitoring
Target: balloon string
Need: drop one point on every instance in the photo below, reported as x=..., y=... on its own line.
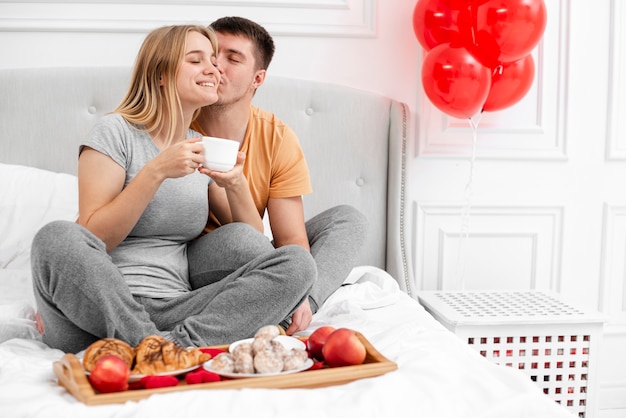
x=466, y=209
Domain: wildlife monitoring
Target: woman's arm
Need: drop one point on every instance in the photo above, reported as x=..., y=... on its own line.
x=109, y=210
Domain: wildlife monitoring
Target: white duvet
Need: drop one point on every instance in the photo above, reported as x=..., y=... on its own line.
x=437, y=375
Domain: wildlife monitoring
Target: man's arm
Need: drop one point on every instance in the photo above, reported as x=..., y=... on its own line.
x=286, y=216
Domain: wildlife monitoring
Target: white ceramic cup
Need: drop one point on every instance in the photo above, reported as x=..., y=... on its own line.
x=219, y=154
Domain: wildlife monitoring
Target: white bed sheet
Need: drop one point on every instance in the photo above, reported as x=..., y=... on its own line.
x=437, y=376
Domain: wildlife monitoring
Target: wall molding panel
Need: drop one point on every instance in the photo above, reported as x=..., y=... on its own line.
x=612, y=303
x=613, y=276
x=325, y=18
x=534, y=128
x=519, y=248
x=616, y=129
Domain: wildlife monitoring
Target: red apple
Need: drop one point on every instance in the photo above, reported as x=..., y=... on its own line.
x=343, y=348
x=110, y=374
x=317, y=340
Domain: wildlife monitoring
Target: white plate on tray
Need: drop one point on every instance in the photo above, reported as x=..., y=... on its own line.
x=138, y=377
x=305, y=366
x=287, y=341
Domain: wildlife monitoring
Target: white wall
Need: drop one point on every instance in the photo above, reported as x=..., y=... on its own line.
x=547, y=207
x=316, y=39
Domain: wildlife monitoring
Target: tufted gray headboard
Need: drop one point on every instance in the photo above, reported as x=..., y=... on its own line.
x=354, y=141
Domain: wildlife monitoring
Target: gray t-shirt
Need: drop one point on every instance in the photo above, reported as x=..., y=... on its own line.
x=153, y=257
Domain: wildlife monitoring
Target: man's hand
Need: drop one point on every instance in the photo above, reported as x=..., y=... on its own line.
x=39, y=322
x=301, y=318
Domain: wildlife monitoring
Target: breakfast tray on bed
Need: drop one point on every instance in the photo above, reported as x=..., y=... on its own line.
x=71, y=376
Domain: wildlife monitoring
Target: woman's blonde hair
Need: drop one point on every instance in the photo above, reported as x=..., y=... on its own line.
x=147, y=102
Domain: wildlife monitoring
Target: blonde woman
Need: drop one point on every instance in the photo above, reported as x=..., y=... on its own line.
x=123, y=269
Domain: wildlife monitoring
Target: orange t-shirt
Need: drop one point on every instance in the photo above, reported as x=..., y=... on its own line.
x=275, y=165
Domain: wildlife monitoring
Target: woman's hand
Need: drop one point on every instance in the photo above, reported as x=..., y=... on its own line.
x=179, y=159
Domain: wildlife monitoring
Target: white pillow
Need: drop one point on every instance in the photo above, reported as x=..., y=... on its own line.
x=29, y=199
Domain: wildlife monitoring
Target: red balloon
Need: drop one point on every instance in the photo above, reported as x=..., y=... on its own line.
x=437, y=22
x=510, y=83
x=485, y=49
x=515, y=26
x=454, y=81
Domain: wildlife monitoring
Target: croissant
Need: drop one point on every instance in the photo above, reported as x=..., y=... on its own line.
x=157, y=355
x=106, y=346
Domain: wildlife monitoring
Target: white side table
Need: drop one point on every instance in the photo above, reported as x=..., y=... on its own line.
x=553, y=342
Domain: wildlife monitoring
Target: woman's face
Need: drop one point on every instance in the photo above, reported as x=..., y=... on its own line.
x=198, y=78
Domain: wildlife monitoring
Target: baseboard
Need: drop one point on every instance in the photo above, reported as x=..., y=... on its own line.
x=612, y=413
x=612, y=396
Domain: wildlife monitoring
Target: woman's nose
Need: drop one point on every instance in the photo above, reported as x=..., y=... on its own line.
x=218, y=64
x=211, y=68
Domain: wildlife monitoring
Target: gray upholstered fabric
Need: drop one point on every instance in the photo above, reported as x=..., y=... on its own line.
x=354, y=141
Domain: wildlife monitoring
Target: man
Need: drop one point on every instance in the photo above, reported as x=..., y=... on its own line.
x=275, y=166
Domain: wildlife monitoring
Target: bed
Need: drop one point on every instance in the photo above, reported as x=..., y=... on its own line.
x=355, y=143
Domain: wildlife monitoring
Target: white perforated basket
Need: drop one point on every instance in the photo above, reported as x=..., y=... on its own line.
x=552, y=342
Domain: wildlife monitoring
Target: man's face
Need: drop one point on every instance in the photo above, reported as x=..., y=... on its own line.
x=236, y=64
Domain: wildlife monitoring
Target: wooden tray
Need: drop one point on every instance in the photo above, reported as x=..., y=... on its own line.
x=71, y=375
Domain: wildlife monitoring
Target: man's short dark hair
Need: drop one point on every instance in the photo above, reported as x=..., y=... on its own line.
x=262, y=40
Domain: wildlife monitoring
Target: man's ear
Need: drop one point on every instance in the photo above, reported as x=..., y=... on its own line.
x=259, y=79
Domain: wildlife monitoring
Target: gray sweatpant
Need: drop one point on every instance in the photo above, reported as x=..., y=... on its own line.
x=335, y=236
x=82, y=296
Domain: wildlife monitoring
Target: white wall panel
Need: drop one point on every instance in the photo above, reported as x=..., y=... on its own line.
x=616, y=138
x=503, y=247
x=612, y=394
x=613, y=278
x=613, y=305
